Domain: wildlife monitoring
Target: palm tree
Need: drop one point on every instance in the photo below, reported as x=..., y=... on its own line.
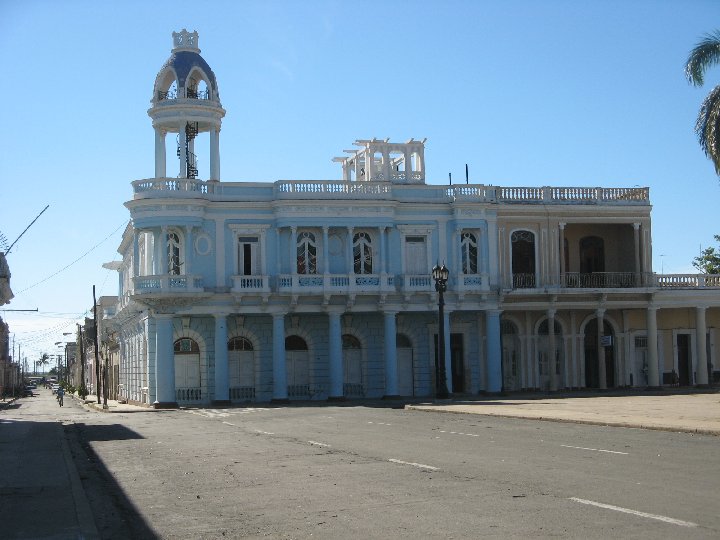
x=44, y=361
x=707, y=127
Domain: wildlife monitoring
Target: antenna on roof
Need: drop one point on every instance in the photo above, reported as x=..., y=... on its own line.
x=450, y=178
x=467, y=178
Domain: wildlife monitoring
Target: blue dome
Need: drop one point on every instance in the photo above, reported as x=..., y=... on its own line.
x=183, y=63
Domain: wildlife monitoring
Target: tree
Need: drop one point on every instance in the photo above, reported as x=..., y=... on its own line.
x=707, y=126
x=708, y=262
x=44, y=361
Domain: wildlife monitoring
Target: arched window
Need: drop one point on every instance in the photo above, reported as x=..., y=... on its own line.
x=239, y=344
x=592, y=255
x=362, y=253
x=174, y=253
x=306, y=253
x=469, y=250
x=186, y=346
x=187, y=370
x=523, y=259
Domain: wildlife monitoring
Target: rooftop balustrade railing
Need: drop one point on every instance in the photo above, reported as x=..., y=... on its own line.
x=338, y=189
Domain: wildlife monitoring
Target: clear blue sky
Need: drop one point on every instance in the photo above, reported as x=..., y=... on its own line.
x=527, y=93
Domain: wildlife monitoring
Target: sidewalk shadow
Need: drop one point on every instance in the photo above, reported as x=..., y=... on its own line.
x=116, y=516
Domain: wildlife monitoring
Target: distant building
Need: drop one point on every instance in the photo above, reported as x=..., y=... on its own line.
x=259, y=291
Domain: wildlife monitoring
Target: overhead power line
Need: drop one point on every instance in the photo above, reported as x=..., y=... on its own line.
x=73, y=262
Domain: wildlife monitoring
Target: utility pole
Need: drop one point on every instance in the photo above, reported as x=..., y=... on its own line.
x=97, y=351
x=82, y=389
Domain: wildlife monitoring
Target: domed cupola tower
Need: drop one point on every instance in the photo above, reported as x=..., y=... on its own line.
x=186, y=101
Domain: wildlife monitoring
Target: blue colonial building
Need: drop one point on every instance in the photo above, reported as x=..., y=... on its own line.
x=238, y=291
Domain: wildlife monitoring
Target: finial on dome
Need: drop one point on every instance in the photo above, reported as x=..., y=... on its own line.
x=185, y=41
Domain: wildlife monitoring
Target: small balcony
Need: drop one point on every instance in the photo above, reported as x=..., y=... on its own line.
x=250, y=285
x=167, y=283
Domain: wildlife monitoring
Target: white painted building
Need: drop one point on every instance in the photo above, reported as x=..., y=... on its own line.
x=259, y=291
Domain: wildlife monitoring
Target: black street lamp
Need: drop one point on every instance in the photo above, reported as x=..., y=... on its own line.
x=440, y=274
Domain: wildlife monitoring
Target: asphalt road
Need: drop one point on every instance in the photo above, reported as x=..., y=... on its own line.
x=362, y=472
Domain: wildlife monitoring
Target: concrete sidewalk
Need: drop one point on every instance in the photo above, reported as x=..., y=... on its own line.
x=684, y=412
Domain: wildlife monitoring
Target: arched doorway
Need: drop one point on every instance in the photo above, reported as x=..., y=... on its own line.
x=592, y=367
x=187, y=370
x=352, y=366
x=298, y=367
x=406, y=380
x=523, y=259
x=510, y=356
x=241, y=369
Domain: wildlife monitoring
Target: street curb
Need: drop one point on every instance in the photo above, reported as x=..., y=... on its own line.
x=85, y=519
x=675, y=429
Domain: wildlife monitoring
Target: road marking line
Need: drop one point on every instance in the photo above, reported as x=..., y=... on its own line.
x=263, y=432
x=418, y=465
x=458, y=433
x=636, y=513
x=315, y=443
x=595, y=450
x=228, y=423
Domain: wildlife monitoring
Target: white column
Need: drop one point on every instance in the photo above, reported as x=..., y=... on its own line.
x=188, y=252
x=552, y=350
x=391, y=372
x=575, y=361
x=292, y=244
x=326, y=256
x=701, y=371
x=222, y=382
x=448, y=358
x=496, y=256
x=562, y=254
x=279, y=365
x=350, y=260
x=638, y=270
x=652, y=344
x=160, y=158
x=164, y=362
x=215, y=154
x=163, y=247
x=494, y=351
x=136, y=257
x=335, y=353
x=183, y=151
x=602, y=375
x=382, y=263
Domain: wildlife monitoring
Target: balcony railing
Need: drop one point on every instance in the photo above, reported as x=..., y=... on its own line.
x=601, y=280
x=417, y=283
x=336, y=283
x=250, y=284
x=687, y=281
x=167, y=283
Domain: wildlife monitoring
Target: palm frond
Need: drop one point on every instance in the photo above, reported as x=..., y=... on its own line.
x=707, y=127
x=705, y=54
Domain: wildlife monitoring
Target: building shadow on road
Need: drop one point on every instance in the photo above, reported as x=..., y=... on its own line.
x=116, y=516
